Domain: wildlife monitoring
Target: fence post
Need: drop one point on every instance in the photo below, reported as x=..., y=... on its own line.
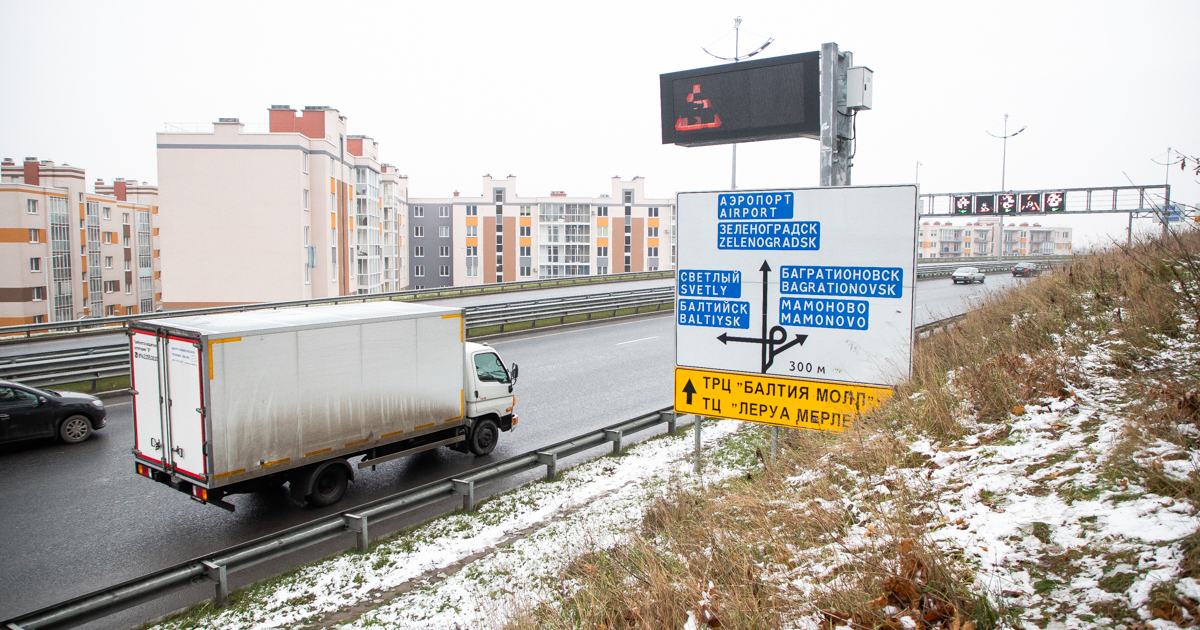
x=615, y=438
x=218, y=574
x=774, y=442
x=669, y=416
x=467, y=489
x=551, y=462
x=697, y=426
x=358, y=525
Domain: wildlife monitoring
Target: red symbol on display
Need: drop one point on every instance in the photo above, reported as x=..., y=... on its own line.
x=698, y=115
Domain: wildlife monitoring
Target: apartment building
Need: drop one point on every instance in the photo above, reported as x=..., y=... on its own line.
x=500, y=236
x=49, y=270
x=300, y=209
x=980, y=239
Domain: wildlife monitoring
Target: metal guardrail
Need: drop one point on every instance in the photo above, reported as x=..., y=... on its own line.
x=216, y=567
x=75, y=366
x=117, y=324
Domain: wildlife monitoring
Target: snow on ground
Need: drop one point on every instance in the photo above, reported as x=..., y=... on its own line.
x=466, y=570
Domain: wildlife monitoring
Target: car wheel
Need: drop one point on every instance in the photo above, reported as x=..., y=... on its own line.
x=329, y=486
x=484, y=437
x=982, y=279
x=75, y=429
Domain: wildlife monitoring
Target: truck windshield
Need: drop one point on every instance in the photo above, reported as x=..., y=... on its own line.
x=489, y=368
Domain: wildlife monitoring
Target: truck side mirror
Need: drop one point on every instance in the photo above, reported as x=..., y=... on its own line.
x=514, y=372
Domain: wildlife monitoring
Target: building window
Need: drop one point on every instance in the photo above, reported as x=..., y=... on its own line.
x=444, y=251
x=418, y=230
x=602, y=231
x=472, y=211
x=31, y=206
x=39, y=294
x=304, y=161
x=601, y=211
x=107, y=212
x=112, y=286
x=652, y=252
x=128, y=288
x=444, y=271
x=418, y=211
x=444, y=231
x=652, y=212
x=472, y=261
x=124, y=218
x=525, y=271
x=498, y=195
x=526, y=211
x=444, y=212
x=34, y=235
x=35, y=265
x=472, y=230
x=108, y=262
x=418, y=252
x=526, y=230
x=652, y=231
x=419, y=271
x=526, y=250
x=602, y=251
x=601, y=270
x=628, y=197
x=305, y=197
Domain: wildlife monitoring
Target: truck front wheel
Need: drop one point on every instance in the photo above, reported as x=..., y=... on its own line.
x=484, y=437
x=328, y=486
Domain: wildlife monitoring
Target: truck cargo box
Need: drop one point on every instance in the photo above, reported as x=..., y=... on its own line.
x=222, y=399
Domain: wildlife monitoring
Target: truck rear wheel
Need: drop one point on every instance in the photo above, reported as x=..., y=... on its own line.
x=329, y=486
x=484, y=437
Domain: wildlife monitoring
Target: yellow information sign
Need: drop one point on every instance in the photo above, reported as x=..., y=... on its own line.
x=780, y=401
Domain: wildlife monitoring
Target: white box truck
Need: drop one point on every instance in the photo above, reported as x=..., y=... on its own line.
x=245, y=402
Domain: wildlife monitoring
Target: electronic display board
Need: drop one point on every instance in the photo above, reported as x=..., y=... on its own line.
x=766, y=99
x=1054, y=201
x=1007, y=203
x=1031, y=202
x=963, y=205
x=985, y=204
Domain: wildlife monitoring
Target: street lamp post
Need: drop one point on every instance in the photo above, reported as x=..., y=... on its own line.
x=1003, y=183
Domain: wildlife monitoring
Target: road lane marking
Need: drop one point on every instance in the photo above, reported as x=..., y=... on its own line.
x=637, y=340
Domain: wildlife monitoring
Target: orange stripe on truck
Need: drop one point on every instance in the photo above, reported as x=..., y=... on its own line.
x=324, y=450
x=232, y=472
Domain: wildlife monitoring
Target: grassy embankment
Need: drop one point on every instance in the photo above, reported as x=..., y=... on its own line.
x=1089, y=374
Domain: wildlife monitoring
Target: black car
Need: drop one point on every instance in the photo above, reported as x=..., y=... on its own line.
x=28, y=412
x=1026, y=269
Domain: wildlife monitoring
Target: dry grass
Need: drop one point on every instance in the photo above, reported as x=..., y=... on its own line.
x=763, y=541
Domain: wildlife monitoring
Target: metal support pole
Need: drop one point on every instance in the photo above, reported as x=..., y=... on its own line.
x=218, y=574
x=774, y=442
x=733, y=178
x=467, y=489
x=615, y=438
x=1129, y=231
x=358, y=525
x=835, y=124
x=551, y=462
x=697, y=430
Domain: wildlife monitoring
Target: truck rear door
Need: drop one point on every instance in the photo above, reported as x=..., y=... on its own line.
x=168, y=403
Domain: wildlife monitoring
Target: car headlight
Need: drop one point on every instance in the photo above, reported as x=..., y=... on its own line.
x=97, y=402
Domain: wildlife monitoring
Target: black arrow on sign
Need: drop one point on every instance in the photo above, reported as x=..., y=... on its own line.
x=689, y=390
x=776, y=336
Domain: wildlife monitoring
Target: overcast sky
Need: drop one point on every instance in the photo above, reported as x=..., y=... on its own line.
x=564, y=95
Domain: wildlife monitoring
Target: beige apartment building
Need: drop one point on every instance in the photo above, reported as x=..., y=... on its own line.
x=980, y=239
x=53, y=269
x=300, y=209
x=500, y=236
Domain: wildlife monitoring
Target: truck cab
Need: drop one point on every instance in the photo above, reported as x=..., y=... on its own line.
x=489, y=397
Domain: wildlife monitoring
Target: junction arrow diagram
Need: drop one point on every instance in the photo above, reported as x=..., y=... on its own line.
x=770, y=339
x=689, y=389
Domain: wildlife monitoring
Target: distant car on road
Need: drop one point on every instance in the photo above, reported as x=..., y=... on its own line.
x=28, y=412
x=1026, y=269
x=967, y=275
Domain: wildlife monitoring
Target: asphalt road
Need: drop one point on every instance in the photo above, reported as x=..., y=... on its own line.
x=77, y=518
